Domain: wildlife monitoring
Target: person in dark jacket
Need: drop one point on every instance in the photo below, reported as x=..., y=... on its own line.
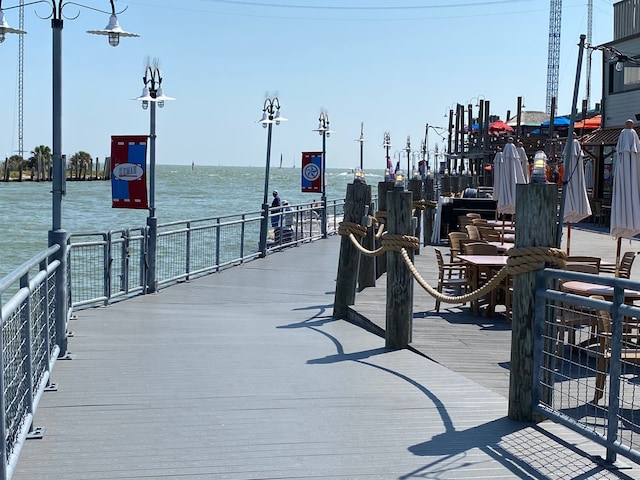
x=275, y=209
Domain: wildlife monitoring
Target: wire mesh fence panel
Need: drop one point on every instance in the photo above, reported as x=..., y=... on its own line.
x=15, y=375
x=588, y=361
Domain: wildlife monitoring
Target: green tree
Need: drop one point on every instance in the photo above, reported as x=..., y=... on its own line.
x=40, y=160
x=79, y=162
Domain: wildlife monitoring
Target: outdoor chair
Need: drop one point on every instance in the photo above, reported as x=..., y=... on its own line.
x=489, y=234
x=630, y=352
x=473, y=232
x=479, y=222
x=451, y=275
x=473, y=215
x=575, y=260
x=624, y=269
x=600, y=216
x=454, y=244
x=479, y=248
x=463, y=221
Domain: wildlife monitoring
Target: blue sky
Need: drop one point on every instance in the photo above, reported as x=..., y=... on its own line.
x=395, y=65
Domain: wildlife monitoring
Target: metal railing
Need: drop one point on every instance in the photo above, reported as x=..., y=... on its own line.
x=29, y=350
x=586, y=353
x=107, y=266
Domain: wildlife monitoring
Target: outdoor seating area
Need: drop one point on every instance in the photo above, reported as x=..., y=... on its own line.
x=477, y=252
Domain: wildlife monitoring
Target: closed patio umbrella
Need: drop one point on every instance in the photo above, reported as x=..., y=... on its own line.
x=576, y=201
x=509, y=174
x=497, y=166
x=625, y=201
x=588, y=173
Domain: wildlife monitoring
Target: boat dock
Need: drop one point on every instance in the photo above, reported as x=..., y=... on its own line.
x=244, y=374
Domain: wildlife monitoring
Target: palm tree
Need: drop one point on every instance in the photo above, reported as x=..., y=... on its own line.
x=79, y=162
x=41, y=160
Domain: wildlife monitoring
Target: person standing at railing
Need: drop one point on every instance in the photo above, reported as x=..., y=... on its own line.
x=275, y=209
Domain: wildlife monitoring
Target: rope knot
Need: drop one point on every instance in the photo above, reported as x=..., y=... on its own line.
x=346, y=228
x=398, y=242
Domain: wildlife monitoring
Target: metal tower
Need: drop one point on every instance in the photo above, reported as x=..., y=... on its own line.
x=587, y=94
x=553, y=66
x=21, y=83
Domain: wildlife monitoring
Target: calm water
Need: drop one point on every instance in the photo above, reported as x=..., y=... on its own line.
x=181, y=194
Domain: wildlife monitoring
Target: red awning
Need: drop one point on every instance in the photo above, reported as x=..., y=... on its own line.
x=591, y=123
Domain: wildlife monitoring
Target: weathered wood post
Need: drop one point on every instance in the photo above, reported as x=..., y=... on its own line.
x=399, y=314
x=415, y=187
x=454, y=184
x=428, y=212
x=367, y=270
x=536, y=209
x=383, y=188
x=358, y=195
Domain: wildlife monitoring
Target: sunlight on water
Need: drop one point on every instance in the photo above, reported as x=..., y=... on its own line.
x=181, y=194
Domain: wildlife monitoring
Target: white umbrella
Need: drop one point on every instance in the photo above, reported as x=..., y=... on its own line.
x=524, y=161
x=509, y=174
x=588, y=173
x=625, y=201
x=576, y=201
x=497, y=166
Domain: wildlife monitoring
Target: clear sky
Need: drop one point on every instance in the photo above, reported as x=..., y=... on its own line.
x=395, y=65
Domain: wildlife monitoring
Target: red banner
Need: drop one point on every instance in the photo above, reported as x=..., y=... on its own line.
x=312, y=173
x=128, y=167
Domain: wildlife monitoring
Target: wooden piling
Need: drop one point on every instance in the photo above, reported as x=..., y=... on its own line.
x=536, y=207
x=399, y=304
x=358, y=195
x=416, y=188
x=428, y=212
x=381, y=260
x=367, y=269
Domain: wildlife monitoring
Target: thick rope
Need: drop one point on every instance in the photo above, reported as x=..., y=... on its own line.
x=419, y=204
x=521, y=260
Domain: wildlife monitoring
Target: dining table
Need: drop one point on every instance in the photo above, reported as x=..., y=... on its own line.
x=483, y=267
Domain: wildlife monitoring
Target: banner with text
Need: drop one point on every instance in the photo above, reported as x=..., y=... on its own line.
x=312, y=173
x=128, y=167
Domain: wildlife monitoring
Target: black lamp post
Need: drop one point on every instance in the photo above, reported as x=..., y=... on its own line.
x=270, y=115
x=153, y=95
x=323, y=130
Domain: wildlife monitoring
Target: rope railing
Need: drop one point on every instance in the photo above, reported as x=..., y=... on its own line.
x=520, y=260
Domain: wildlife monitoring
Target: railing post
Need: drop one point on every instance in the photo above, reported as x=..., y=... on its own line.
x=242, y=234
x=188, y=252
x=358, y=195
x=536, y=210
x=152, y=239
x=264, y=230
x=218, y=244
x=399, y=304
x=59, y=237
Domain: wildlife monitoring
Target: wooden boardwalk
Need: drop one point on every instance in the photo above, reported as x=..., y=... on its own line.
x=244, y=375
